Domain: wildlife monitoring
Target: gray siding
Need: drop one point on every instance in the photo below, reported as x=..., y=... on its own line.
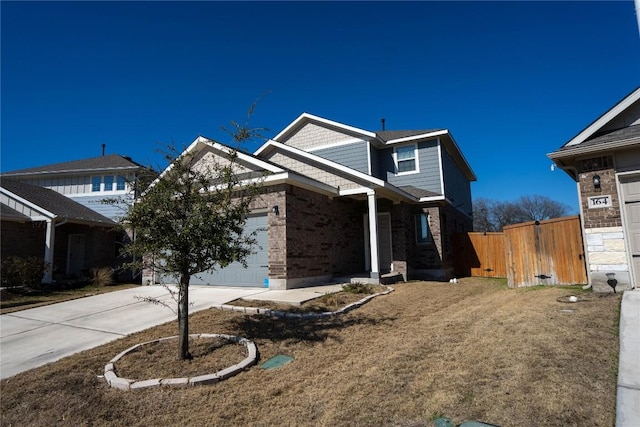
x=113, y=211
x=351, y=155
x=457, y=187
x=429, y=176
x=64, y=185
x=376, y=170
x=73, y=184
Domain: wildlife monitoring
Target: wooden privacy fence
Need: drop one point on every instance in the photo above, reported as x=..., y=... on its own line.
x=532, y=253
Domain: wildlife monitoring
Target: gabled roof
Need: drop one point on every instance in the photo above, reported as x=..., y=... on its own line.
x=201, y=143
x=617, y=128
x=388, y=136
x=7, y=213
x=52, y=204
x=605, y=119
x=621, y=138
x=379, y=139
x=101, y=163
x=305, y=118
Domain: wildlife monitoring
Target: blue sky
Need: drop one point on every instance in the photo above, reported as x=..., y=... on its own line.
x=512, y=81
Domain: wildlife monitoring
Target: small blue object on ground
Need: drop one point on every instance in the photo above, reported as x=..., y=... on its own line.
x=276, y=362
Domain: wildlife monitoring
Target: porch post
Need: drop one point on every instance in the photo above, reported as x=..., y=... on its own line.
x=49, y=243
x=373, y=235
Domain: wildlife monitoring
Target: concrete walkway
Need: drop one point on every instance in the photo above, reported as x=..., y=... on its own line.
x=34, y=337
x=628, y=398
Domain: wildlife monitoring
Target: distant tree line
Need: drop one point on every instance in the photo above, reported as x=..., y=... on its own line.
x=493, y=215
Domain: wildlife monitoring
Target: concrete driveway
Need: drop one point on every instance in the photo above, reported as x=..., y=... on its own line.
x=31, y=338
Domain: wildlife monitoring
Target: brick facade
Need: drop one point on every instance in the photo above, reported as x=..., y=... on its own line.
x=601, y=217
x=23, y=239
x=603, y=228
x=28, y=239
x=313, y=237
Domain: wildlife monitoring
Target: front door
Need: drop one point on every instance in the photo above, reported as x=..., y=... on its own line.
x=384, y=242
x=631, y=194
x=75, y=254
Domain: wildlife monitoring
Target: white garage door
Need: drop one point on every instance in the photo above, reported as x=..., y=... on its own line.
x=235, y=274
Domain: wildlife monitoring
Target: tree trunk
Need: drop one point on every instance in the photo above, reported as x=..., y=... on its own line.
x=183, y=318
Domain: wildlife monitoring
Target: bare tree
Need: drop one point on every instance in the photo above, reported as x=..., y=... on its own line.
x=493, y=215
x=191, y=220
x=538, y=208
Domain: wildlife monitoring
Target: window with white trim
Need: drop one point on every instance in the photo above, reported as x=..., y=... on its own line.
x=406, y=159
x=422, y=228
x=120, y=183
x=108, y=183
x=95, y=183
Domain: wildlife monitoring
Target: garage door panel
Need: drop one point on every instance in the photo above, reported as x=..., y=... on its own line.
x=257, y=263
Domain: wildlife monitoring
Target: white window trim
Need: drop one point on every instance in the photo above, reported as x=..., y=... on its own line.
x=100, y=186
x=103, y=190
x=415, y=156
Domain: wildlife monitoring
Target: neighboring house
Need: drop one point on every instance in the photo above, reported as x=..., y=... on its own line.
x=341, y=201
x=88, y=181
x=42, y=223
x=83, y=185
x=604, y=159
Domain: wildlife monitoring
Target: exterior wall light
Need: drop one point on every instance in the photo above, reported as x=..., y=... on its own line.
x=275, y=210
x=596, y=182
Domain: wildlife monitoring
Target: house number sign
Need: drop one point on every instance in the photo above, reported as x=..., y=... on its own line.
x=599, y=202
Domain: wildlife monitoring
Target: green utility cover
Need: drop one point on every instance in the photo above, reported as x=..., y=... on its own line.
x=276, y=361
x=443, y=422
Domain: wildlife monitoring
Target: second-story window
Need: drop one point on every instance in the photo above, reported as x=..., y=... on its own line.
x=120, y=183
x=406, y=159
x=108, y=183
x=95, y=183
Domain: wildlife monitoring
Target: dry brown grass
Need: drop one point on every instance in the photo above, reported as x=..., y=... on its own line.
x=475, y=350
x=23, y=298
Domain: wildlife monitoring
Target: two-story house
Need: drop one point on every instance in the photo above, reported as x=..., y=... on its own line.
x=58, y=212
x=341, y=201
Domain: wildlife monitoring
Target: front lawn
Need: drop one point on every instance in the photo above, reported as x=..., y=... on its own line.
x=22, y=298
x=469, y=351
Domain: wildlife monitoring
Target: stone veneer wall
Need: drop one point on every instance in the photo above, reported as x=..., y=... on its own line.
x=604, y=237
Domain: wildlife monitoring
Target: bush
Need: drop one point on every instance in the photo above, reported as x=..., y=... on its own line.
x=358, y=288
x=17, y=271
x=101, y=276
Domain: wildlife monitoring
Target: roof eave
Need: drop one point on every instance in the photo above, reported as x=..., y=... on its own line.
x=306, y=117
x=605, y=146
x=605, y=118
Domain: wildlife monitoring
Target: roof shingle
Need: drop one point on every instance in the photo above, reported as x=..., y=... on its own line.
x=55, y=203
x=111, y=161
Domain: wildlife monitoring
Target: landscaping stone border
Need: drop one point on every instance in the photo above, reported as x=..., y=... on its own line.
x=127, y=384
x=287, y=315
